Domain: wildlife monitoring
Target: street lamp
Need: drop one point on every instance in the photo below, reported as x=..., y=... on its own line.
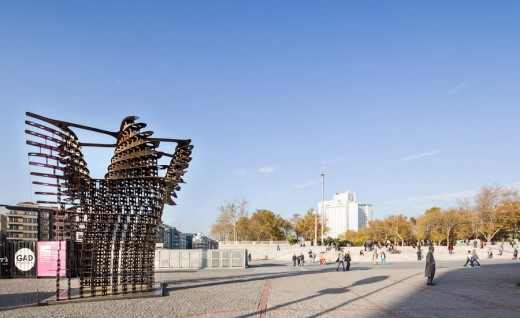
x=322, y=172
x=315, y=228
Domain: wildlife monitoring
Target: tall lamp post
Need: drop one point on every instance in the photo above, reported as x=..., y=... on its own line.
x=322, y=203
x=315, y=228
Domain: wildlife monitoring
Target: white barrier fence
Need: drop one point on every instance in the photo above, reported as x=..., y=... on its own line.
x=228, y=258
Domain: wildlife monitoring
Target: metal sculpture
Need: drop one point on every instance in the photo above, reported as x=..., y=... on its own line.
x=114, y=219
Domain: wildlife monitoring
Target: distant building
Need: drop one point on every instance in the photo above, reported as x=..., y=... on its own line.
x=200, y=241
x=159, y=236
x=203, y=242
x=3, y=225
x=365, y=214
x=173, y=237
x=343, y=213
x=29, y=221
x=185, y=240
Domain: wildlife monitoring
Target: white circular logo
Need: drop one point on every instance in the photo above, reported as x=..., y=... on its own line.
x=24, y=259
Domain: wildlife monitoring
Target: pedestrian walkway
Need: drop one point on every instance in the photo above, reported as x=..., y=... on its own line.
x=277, y=289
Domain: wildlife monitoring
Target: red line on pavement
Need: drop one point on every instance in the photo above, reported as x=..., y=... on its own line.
x=264, y=299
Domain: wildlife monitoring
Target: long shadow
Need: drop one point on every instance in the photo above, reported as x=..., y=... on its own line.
x=20, y=300
x=214, y=281
x=267, y=265
x=490, y=287
x=365, y=281
x=232, y=280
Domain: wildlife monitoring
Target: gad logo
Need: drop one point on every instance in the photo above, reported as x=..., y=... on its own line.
x=24, y=259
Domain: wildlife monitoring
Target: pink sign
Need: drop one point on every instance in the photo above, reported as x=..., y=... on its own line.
x=48, y=258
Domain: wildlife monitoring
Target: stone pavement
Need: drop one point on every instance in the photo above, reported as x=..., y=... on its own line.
x=277, y=289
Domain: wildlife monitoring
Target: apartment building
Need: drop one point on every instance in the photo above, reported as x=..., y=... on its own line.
x=29, y=221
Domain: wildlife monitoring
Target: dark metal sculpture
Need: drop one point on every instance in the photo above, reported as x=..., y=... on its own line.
x=114, y=219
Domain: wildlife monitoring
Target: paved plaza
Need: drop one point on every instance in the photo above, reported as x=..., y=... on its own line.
x=277, y=289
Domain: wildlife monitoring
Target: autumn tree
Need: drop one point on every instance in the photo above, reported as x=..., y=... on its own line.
x=429, y=225
x=449, y=221
x=400, y=227
x=379, y=231
x=268, y=226
x=510, y=209
x=489, y=205
x=225, y=226
x=244, y=230
x=305, y=225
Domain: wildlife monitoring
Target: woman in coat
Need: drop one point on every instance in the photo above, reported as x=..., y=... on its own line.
x=429, y=271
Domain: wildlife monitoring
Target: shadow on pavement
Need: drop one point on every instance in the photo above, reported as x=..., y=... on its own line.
x=486, y=291
x=267, y=265
x=19, y=300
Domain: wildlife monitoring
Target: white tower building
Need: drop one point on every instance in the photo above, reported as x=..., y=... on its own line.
x=341, y=213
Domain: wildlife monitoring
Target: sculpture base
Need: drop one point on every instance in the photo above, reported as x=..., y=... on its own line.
x=157, y=291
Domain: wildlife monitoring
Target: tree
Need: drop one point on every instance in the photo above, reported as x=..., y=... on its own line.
x=305, y=225
x=244, y=231
x=510, y=210
x=224, y=228
x=449, y=220
x=268, y=226
x=429, y=225
x=399, y=226
x=379, y=230
x=487, y=205
x=294, y=222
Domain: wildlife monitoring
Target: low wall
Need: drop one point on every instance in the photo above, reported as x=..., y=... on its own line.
x=229, y=258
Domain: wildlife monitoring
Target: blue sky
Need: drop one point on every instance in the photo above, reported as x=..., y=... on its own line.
x=407, y=103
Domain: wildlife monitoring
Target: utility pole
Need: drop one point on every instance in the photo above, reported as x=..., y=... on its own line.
x=322, y=203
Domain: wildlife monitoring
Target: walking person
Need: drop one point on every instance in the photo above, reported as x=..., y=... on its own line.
x=348, y=259
x=419, y=253
x=450, y=249
x=515, y=253
x=475, y=257
x=429, y=270
x=469, y=259
x=294, y=257
x=383, y=257
x=302, y=259
x=341, y=260
x=375, y=257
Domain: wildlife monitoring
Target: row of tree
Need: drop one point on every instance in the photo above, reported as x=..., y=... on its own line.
x=493, y=214
x=234, y=224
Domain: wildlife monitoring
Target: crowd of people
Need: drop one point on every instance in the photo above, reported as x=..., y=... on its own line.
x=379, y=255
